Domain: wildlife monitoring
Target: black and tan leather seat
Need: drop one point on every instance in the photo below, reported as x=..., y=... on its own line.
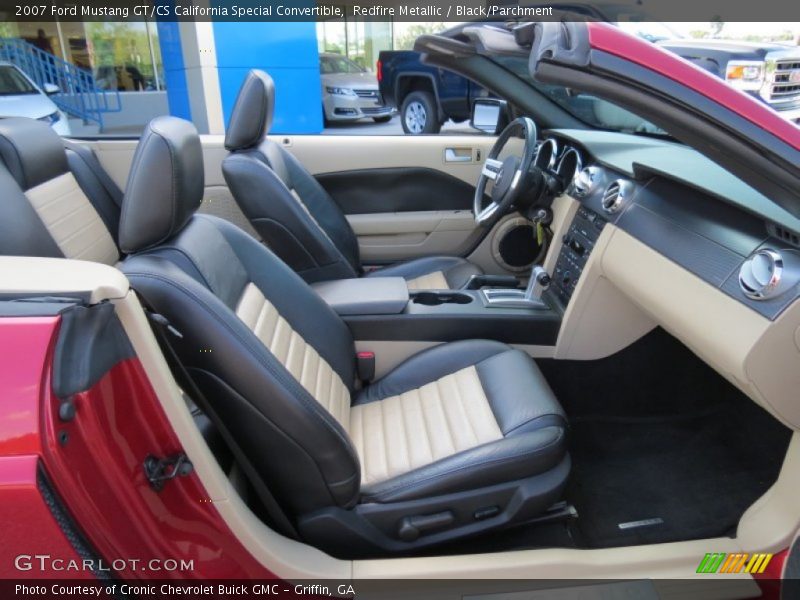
x=292, y=212
x=53, y=203
x=467, y=431
x=58, y=202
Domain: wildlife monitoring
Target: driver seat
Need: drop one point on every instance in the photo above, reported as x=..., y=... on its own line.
x=293, y=213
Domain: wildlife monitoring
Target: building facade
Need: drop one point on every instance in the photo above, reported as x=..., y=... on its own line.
x=194, y=69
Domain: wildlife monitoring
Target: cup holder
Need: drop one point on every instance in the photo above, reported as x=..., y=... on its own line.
x=437, y=298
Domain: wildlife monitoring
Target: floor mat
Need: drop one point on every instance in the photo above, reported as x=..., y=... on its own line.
x=662, y=445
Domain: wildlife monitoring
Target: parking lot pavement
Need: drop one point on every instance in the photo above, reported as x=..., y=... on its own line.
x=393, y=127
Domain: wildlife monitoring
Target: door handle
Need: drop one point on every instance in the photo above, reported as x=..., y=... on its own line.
x=462, y=155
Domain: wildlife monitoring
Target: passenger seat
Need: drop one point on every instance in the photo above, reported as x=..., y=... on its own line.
x=463, y=438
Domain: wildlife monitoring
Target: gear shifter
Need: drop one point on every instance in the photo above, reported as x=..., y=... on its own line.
x=531, y=297
x=537, y=284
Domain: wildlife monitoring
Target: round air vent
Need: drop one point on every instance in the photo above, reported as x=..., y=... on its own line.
x=585, y=181
x=614, y=196
x=761, y=274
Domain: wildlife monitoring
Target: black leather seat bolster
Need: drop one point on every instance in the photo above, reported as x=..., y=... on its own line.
x=518, y=393
x=430, y=365
x=106, y=206
x=280, y=219
x=22, y=232
x=456, y=270
x=281, y=427
x=532, y=422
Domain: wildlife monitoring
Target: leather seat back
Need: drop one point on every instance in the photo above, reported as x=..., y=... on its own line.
x=46, y=210
x=275, y=363
x=289, y=209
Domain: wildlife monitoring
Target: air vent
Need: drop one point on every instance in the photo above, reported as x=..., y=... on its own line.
x=768, y=273
x=613, y=197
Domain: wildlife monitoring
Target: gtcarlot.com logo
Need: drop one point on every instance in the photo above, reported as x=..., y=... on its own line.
x=46, y=562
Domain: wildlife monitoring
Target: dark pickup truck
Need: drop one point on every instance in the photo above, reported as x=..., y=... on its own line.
x=428, y=96
x=425, y=96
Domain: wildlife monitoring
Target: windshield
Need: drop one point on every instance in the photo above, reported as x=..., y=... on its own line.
x=596, y=112
x=337, y=64
x=12, y=82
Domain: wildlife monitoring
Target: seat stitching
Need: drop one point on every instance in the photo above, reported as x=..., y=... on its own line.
x=440, y=403
x=408, y=461
x=463, y=408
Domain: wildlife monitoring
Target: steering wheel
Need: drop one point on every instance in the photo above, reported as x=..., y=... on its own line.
x=508, y=175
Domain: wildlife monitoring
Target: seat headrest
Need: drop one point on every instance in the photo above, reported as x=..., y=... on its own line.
x=165, y=185
x=251, y=118
x=32, y=151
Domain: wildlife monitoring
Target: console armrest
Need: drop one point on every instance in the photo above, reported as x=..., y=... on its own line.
x=366, y=296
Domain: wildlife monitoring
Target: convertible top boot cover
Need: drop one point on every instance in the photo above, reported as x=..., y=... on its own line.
x=277, y=365
x=294, y=214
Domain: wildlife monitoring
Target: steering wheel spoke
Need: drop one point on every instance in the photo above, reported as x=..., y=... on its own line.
x=491, y=168
x=507, y=175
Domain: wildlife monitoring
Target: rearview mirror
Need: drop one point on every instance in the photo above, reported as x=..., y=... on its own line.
x=488, y=114
x=51, y=88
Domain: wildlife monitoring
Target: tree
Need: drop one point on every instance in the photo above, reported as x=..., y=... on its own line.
x=405, y=41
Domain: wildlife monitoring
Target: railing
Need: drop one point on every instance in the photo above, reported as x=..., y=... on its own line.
x=78, y=93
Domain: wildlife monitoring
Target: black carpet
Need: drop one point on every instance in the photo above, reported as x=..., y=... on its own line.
x=657, y=434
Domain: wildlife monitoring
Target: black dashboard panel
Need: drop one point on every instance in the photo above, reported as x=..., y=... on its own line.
x=578, y=244
x=700, y=255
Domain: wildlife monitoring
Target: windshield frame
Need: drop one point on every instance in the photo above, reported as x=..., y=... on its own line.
x=543, y=90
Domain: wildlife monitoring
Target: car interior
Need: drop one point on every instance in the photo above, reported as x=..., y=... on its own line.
x=572, y=340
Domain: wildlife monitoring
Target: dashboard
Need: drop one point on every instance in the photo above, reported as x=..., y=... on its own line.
x=651, y=233
x=681, y=205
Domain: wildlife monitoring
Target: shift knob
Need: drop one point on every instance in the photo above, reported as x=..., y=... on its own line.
x=538, y=283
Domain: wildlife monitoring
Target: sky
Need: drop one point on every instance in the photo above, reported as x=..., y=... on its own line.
x=738, y=29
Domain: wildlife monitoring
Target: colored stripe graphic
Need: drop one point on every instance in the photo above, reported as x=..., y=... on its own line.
x=721, y=562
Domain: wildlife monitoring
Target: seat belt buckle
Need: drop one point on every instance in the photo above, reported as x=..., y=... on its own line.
x=365, y=365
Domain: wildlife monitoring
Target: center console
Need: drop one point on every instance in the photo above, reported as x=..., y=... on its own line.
x=578, y=244
x=377, y=308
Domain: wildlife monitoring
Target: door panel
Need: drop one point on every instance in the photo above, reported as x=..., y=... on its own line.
x=387, y=236
x=336, y=153
x=397, y=189
x=405, y=196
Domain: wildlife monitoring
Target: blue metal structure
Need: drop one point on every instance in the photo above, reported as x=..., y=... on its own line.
x=289, y=53
x=79, y=95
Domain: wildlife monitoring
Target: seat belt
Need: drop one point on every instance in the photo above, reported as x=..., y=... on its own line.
x=162, y=329
x=89, y=157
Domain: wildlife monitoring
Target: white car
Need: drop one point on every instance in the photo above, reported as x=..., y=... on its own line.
x=21, y=97
x=350, y=92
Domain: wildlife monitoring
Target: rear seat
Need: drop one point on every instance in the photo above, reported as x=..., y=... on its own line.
x=53, y=203
x=56, y=201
